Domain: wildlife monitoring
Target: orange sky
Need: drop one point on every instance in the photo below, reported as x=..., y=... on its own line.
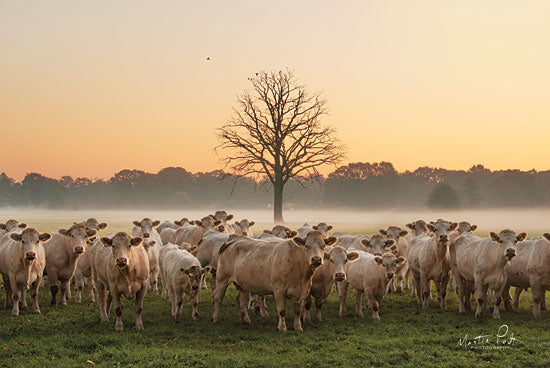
x=91, y=87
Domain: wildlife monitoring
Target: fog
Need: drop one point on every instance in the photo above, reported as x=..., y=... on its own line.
x=534, y=221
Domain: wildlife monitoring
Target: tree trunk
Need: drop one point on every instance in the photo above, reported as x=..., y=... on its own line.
x=278, y=202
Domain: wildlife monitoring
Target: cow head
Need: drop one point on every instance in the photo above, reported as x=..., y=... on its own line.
x=323, y=228
x=393, y=233
x=377, y=245
x=92, y=223
x=194, y=275
x=29, y=240
x=338, y=259
x=314, y=245
x=182, y=222
x=12, y=224
x=507, y=241
x=441, y=230
x=464, y=227
x=147, y=243
x=121, y=245
x=207, y=223
x=283, y=232
x=390, y=262
x=222, y=216
x=245, y=225
x=79, y=234
x=188, y=247
x=418, y=227
x=146, y=226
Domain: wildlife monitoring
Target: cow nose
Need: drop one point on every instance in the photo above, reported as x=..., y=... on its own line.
x=443, y=238
x=245, y=233
x=30, y=255
x=316, y=260
x=389, y=275
x=510, y=253
x=79, y=249
x=378, y=254
x=146, y=235
x=195, y=287
x=340, y=276
x=121, y=261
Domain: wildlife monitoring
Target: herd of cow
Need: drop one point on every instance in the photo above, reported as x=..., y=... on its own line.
x=298, y=265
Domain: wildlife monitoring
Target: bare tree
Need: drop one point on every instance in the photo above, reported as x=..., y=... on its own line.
x=276, y=131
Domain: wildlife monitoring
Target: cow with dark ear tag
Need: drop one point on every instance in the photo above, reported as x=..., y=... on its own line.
x=120, y=266
x=334, y=269
x=483, y=262
x=263, y=267
x=243, y=227
x=62, y=254
x=9, y=226
x=369, y=275
x=223, y=217
x=22, y=263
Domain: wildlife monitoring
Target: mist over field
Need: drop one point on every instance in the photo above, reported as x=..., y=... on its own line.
x=533, y=221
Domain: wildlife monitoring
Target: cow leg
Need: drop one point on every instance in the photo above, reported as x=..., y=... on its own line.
x=7, y=288
x=389, y=290
x=358, y=303
x=543, y=300
x=242, y=299
x=425, y=290
x=374, y=305
x=538, y=294
x=481, y=291
x=407, y=274
x=460, y=292
x=68, y=290
x=517, y=294
x=138, y=307
x=213, y=279
x=34, y=295
x=497, y=298
x=307, y=307
x=203, y=282
x=452, y=283
x=194, y=306
x=53, y=281
x=506, y=297
x=23, y=299
x=119, y=326
x=343, y=296
x=442, y=292
x=91, y=287
x=101, y=302
x=260, y=299
x=79, y=285
x=15, y=295
x=297, y=316
x=63, y=295
x=155, y=280
x=219, y=294
x=280, y=300
x=318, y=305
x=172, y=295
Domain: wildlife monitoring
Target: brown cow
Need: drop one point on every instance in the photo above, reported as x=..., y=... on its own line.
x=22, y=262
x=121, y=267
x=282, y=268
x=62, y=254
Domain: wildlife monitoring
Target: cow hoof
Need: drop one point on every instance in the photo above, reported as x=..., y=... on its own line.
x=119, y=327
x=37, y=311
x=139, y=327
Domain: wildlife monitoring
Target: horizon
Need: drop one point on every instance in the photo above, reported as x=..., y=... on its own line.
x=98, y=87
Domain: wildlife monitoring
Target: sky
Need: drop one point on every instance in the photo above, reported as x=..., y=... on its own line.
x=88, y=88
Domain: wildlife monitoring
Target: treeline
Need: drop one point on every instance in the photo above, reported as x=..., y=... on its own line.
x=356, y=185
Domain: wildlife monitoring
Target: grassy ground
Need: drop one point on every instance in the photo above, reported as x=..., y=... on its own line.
x=72, y=335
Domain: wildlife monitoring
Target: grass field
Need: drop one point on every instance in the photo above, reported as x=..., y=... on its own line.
x=407, y=336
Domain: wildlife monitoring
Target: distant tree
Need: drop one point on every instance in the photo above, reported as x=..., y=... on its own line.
x=443, y=195
x=276, y=131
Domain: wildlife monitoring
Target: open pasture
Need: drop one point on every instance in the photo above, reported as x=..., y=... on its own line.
x=73, y=336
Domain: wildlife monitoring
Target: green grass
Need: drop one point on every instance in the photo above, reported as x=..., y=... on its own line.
x=407, y=336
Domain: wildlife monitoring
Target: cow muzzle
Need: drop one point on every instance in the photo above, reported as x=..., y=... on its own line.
x=146, y=235
x=443, y=239
x=389, y=275
x=340, y=276
x=316, y=261
x=121, y=262
x=79, y=249
x=30, y=256
x=510, y=253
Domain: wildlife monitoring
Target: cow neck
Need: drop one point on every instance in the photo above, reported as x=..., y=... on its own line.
x=440, y=251
x=27, y=267
x=304, y=265
x=70, y=252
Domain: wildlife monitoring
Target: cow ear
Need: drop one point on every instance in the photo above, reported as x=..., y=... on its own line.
x=314, y=227
x=2, y=226
x=494, y=236
x=178, y=223
x=156, y=223
x=206, y=270
x=44, y=236
x=192, y=222
x=393, y=248
x=473, y=228
x=267, y=232
x=102, y=226
x=330, y=240
x=352, y=256
x=22, y=226
x=365, y=242
x=378, y=260
x=152, y=243
x=546, y=236
x=403, y=233
x=136, y=241
x=431, y=228
x=90, y=232
x=64, y=232
x=238, y=223
x=453, y=226
x=136, y=223
x=300, y=241
x=521, y=236
x=329, y=227
x=198, y=222
x=229, y=217
x=400, y=259
x=16, y=237
x=326, y=256
x=251, y=223
x=193, y=249
x=382, y=232
x=217, y=222
x=432, y=223
x=292, y=234
x=389, y=242
x=107, y=241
